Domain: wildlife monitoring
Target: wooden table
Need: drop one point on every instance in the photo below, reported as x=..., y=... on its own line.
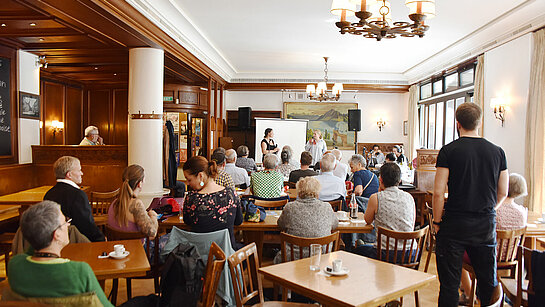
x=29, y=197
x=534, y=230
x=9, y=212
x=369, y=283
x=134, y=265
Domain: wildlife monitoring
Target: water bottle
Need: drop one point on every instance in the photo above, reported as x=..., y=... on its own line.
x=353, y=207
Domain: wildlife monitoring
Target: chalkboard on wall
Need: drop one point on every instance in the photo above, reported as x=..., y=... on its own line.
x=5, y=107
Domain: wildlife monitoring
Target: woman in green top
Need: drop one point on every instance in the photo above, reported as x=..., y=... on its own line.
x=45, y=274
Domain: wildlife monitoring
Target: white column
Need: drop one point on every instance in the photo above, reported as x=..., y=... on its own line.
x=28, y=81
x=146, y=135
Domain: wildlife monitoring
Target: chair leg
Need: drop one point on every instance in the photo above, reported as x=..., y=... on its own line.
x=416, y=300
x=473, y=290
x=275, y=291
x=156, y=285
x=113, y=292
x=428, y=257
x=284, y=294
x=129, y=288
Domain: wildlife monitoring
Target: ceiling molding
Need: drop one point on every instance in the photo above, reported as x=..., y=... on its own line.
x=383, y=88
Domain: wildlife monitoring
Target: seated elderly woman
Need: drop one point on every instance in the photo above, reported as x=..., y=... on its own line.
x=365, y=182
x=243, y=161
x=209, y=207
x=45, y=274
x=287, y=165
x=267, y=183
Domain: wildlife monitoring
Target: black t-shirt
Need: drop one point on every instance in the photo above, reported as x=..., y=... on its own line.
x=474, y=168
x=298, y=174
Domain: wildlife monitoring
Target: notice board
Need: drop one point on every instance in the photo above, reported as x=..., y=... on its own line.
x=5, y=107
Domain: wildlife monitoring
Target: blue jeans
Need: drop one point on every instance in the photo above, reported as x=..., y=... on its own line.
x=350, y=238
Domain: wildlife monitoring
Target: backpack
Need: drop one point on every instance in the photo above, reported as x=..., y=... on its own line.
x=182, y=278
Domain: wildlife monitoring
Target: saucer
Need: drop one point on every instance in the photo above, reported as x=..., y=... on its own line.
x=113, y=255
x=329, y=270
x=344, y=219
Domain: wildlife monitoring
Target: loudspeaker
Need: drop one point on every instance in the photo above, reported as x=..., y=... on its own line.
x=354, y=120
x=244, y=118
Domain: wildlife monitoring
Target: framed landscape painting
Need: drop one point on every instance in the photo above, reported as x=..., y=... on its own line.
x=329, y=117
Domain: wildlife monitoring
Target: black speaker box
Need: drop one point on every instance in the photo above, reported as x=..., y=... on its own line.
x=244, y=118
x=354, y=120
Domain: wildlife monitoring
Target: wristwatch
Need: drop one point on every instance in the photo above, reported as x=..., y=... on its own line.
x=436, y=223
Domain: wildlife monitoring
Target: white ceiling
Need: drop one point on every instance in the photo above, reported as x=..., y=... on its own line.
x=255, y=39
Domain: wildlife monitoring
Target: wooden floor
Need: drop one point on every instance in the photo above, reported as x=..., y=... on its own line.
x=428, y=295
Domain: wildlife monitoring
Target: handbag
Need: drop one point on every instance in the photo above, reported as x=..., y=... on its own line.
x=254, y=213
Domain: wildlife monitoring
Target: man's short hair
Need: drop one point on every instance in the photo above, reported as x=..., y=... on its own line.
x=308, y=187
x=517, y=186
x=231, y=155
x=220, y=149
x=337, y=153
x=355, y=159
x=469, y=114
x=243, y=150
x=390, y=173
x=306, y=158
x=39, y=222
x=391, y=157
x=90, y=129
x=375, y=146
x=328, y=163
x=63, y=165
x=270, y=161
x=218, y=156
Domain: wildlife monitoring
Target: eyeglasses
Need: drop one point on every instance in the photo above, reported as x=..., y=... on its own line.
x=68, y=221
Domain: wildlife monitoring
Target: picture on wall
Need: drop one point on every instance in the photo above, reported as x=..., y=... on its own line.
x=29, y=105
x=330, y=118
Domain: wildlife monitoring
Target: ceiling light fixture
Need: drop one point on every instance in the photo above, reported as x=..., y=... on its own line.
x=319, y=92
x=32, y=24
x=376, y=21
x=41, y=62
x=4, y=25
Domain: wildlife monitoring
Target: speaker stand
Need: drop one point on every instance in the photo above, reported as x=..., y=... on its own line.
x=356, y=142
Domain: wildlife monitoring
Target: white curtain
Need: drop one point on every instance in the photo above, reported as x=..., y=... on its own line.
x=413, y=122
x=535, y=127
x=478, y=96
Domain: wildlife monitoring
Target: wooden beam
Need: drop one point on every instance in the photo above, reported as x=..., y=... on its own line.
x=38, y=32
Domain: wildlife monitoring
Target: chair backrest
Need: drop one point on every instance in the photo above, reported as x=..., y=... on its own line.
x=524, y=258
x=114, y=234
x=336, y=204
x=292, y=185
x=508, y=242
x=329, y=244
x=407, y=245
x=214, y=267
x=429, y=214
x=271, y=204
x=244, y=265
x=100, y=201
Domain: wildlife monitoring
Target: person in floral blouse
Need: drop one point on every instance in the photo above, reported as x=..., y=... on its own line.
x=208, y=206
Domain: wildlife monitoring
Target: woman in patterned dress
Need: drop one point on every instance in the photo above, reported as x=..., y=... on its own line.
x=208, y=206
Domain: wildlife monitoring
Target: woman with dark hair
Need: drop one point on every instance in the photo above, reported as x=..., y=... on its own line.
x=267, y=144
x=208, y=206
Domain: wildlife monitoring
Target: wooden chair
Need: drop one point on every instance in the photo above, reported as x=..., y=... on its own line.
x=508, y=242
x=155, y=270
x=410, y=242
x=292, y=185
x=271, y=204
x=101, y=201
x=336, y=204
x=517, y=290
x=6, y=240
x=214, y=267
x=244, y=265
x=432, y=238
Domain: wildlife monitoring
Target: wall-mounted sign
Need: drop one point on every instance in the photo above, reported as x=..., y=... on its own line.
x=168, y=98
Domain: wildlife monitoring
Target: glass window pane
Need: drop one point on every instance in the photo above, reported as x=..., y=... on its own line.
x=438, y=86
x=425, y=91
x=449, y=122
x=466, y=77
x=422, y=120
x=431, y=127
x=451, y=82
x=426, y=125
x=439, y=125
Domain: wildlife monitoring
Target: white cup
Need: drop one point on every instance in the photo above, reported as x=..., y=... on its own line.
x=119, y=249
x=337, y=265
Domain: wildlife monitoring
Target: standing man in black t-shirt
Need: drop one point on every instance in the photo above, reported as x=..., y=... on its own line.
x=476, y=173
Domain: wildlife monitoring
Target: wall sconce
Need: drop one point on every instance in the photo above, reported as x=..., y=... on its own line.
x=498, y=104
x=57, y=127
x=41, y=62
x=380, y=123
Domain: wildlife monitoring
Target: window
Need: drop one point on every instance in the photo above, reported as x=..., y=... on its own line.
x=425, y=91
x=438, y=86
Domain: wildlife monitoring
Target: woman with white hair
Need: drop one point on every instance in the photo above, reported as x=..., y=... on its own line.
x=316, y=146
x=365, y=182
x=287, y=165
x=267, y=183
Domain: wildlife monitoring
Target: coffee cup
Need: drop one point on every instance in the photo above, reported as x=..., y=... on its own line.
x=119, y=249
x=337, y=265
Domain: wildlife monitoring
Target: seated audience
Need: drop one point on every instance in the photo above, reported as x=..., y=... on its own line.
x=92, y=137
x=243, y=161
x=45, y=274
x=223, y=178
x=333, y=187
x=239, y=175
x=267, y=183
x=293, y=161
x=74, y=202
x=341, y=169
x=287, y=166
x=390, y=158
x=306, y=161
x=365, y=182
x=209, y=206
x=375, y=156
x=400, y=157
x=390, y=208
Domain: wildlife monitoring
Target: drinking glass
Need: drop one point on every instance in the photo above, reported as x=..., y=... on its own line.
x=315, y=253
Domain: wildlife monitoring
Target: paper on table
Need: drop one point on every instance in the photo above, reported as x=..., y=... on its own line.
x=344, y=223
x=531, y=225
x=358, y=221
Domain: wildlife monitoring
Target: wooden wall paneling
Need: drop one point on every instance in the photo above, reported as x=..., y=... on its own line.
x=121, y=117
x=73, y=125
x=208, y=121
x=53, y=97
x=188, y=97
x=11, y=54
x=99, y=112
x=17, y=177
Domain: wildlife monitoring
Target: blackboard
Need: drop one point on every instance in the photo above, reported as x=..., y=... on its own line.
x=5, y=107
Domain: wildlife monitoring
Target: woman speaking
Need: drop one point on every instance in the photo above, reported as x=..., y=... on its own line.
x=316, y=146
x=267, y=144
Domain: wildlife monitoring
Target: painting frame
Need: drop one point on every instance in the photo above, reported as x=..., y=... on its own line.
x=29, y=105
x=331, y=118
x=405, y=128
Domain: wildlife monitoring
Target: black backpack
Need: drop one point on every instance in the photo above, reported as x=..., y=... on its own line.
x=182, y=278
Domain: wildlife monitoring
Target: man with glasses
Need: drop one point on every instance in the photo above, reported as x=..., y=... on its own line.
x=74, y=202
x=92, y=137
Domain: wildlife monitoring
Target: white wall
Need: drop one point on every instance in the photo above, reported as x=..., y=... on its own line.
x=28, y=81
x=392, y=107
x=507, y=75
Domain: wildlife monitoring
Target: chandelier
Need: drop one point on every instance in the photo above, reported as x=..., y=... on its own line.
x=320, y=93
x=376, y=21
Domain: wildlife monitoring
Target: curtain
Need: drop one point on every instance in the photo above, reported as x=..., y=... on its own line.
x=535, y=127
x=478, y=96
x=413, y=122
